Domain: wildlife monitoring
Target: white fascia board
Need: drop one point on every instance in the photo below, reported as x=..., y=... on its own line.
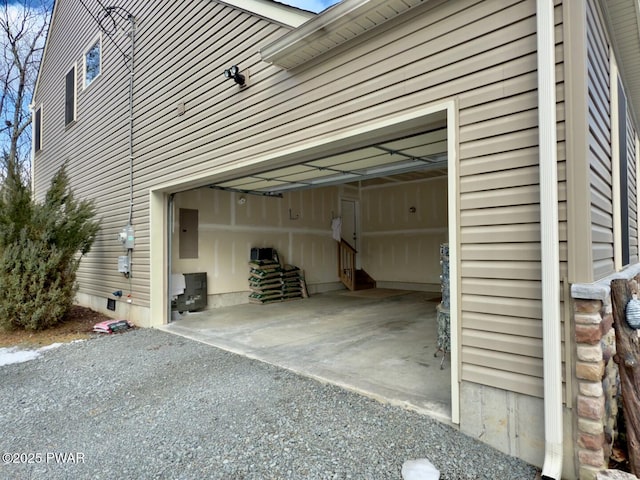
x=274, y=11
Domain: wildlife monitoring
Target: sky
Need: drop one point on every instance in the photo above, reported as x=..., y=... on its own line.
x=312, y=5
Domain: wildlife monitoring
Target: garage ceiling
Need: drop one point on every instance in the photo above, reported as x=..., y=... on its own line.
x=409, y=158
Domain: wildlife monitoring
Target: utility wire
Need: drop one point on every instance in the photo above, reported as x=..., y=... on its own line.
x=111, y=13
x=107, y=12
x=90, y=13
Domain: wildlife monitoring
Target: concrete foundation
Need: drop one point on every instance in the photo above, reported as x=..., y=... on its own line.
x=512, y=423
x=137, y=314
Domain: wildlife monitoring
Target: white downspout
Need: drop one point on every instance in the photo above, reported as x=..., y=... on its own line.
x=551, y=334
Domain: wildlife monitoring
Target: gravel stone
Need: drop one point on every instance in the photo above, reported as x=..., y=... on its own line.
x=146, y=404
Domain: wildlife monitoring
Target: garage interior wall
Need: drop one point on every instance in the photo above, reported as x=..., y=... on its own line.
x=400, y=247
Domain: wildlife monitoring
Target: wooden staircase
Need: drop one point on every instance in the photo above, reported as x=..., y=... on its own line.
x=352, y=278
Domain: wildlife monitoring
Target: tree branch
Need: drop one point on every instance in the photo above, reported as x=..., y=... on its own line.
x=23, y=30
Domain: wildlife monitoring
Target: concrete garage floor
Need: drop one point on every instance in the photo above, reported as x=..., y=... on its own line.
x=377, y=342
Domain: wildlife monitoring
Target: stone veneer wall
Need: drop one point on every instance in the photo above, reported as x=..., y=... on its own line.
x=597, y=375
x=596, y=404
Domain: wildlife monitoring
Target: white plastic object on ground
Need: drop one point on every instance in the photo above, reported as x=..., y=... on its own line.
x=421, y=469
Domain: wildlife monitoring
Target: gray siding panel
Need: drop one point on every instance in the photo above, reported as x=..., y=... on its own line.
x=599, y=121
x=632, y=160
x=169, y=37
x=482, y=53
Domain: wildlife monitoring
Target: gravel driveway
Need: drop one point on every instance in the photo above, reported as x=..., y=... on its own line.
x=148, y=404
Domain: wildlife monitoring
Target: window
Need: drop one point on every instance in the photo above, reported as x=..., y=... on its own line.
x=70, y=96
x=92, y=62
x=37, y=129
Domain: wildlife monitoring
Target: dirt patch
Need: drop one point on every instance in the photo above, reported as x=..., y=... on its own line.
x=77, y=325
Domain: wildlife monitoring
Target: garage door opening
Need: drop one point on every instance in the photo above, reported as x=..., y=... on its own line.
x=392, y=198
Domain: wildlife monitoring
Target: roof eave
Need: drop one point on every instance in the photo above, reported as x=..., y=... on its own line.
x=334, y=26
x=274, y=11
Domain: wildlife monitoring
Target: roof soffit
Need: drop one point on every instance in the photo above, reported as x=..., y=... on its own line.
x=272, y=10
x=331, y=28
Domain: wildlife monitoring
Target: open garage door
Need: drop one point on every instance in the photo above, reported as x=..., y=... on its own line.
x=380, y=343
x=419, y=156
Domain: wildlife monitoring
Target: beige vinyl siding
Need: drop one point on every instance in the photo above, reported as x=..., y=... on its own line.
x=96, y=146
x=500, y=249
x=96, y=150
x=599, y=137
x=314, y=103
x=632, y=188
x=480, y=53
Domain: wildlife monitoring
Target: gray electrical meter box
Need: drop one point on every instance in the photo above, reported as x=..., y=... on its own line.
x=123, y=264
x=127, y=237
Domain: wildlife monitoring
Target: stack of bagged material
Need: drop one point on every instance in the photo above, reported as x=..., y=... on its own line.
x=291, y=284
x=265, y=281
x=271, y=282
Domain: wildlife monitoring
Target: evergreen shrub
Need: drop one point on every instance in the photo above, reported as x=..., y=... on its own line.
x=41, y=245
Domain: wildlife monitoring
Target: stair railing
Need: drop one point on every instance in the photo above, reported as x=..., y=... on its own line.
x=347, y=264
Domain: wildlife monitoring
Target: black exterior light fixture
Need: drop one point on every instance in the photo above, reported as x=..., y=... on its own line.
x=234, y=72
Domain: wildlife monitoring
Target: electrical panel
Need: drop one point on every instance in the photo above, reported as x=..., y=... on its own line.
x=127, y=237
x=123, y=264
